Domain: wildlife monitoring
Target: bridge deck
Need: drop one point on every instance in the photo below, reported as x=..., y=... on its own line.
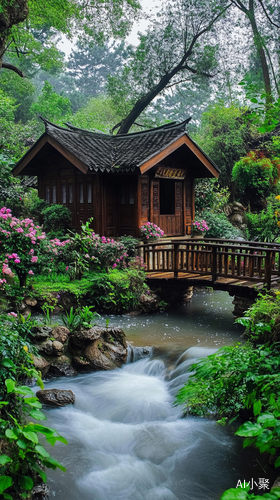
x=222, y=264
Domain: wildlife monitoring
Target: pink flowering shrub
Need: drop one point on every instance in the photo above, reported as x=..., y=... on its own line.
x=150, y=231
x=200, y=227
x=20, y=245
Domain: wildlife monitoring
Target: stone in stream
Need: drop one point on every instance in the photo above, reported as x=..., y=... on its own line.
x=41, y=364
x=58, y=348
x=41, y=332
x=56, y=397
x=60, y=333
x=40, y=492
x=45, y=347
x=102, y=348
x=61, y=367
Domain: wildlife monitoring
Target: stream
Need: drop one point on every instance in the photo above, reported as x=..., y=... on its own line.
x=126, y=439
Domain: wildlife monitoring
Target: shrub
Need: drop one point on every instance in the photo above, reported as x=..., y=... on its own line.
x=220, y=227
x=150, y=232
x=256, y=176
x=24, y=459
x=20, y=245
x=265, y=225
x=56, y=220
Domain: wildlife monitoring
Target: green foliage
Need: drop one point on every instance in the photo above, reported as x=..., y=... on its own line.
x=24, y=459
x=83, y=317
x=262, y=320
x=256, y=176
x=219, y=226
x=71, y=320
x=210, y=195
x=243, y=494
x=50, y=104
x=224, y=135
x=98, y=114
x=56, y=220
x=231, y=379
x=118, y=291
x=265, y=225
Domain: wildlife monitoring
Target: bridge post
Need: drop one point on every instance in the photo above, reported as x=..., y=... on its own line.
x=176, y=259
x=214, y=263
x=268, y=269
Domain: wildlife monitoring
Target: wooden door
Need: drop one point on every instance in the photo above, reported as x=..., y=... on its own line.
x=84, y=199
x=127, y=223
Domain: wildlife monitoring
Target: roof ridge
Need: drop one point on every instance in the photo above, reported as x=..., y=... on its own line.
x=73, y=129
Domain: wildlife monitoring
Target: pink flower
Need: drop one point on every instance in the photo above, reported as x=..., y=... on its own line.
x=34, y=259
x=30, y=272
x=12, y=314
x=17, y=261
x=67, y=267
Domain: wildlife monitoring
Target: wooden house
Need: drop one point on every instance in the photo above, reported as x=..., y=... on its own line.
x=122, y=181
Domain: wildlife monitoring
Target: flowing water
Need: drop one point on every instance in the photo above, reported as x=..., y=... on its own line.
x=126, y=439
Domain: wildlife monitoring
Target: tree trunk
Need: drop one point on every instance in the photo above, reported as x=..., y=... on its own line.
x=260, y=48
x=14, y=12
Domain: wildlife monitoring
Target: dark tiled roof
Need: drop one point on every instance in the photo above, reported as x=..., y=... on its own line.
x=110, y=153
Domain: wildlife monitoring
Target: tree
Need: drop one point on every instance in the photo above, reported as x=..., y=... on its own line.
x=225, y=135
x=50, y=104
x=178, y=46
x=19, y=20
x=251, y=12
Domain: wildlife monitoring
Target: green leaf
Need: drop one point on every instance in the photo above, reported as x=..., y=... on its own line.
x=34, y=402
x=40, y=382
x=26, y=482
x=22, y=444
x=12, y=433
x=37, y=414
x=7, y=496
x=248, y=429
x=10, y=384
x=277, y=462
x=24, y=390
x=40, y=472
x=257, y=406
x=41, y=451
x=267, y=420
x=4, y=459
x=53, y=464
x=235, y=494
x=5, y=483
x=31, y=436
x=254, y=100
x=7, y=363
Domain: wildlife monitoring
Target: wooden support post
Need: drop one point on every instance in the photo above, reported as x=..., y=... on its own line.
x=176, y=259
x=267, y=271
x=214, y=264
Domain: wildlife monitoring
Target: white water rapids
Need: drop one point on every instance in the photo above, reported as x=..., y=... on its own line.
x=126, y=439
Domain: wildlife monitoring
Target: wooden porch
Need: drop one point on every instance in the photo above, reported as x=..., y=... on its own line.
x=229, y=265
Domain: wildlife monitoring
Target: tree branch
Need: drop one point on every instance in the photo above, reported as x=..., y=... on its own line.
x=268, y=17
x=176, y=83
x=192, y=70
x=13, y=68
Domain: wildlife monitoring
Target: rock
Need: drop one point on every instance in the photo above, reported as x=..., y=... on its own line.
x=81, y=364
x=149, y=303
x=46, y=347
x=40, y=492
x=241, y=304
x=116, y=352
x=56, y=397
x=83, y=337
x=276, y=483
x=67, y=300
x=41, y=364
x=41, y=332
x=30, y=302
x=27, y=312
x=114, y=335
x=60, y=333
x=98, y=360
x=61, y=367
x=58, y=348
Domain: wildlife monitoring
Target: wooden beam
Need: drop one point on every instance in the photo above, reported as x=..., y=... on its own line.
x=176, y=145
x=69, y=156
x=30, y=155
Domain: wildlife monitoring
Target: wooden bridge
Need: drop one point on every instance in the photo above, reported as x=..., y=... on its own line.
x=230, y=265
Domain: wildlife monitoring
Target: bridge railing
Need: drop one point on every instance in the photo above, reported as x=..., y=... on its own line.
x=234, y=259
